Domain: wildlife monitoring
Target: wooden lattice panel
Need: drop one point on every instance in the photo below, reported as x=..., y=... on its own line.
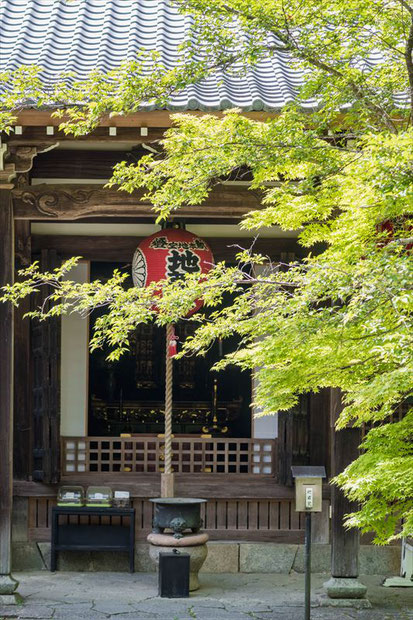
x=146, y=455
x=398, y=415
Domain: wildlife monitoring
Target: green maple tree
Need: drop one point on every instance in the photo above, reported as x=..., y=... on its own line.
x=336, y=166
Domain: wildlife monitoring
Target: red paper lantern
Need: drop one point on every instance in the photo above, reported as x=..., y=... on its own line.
x=399, y=225
x=170, y=253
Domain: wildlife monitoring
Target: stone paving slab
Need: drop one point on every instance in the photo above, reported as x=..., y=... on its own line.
x=117, y=596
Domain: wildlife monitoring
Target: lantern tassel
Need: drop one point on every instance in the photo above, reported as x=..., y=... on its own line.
x=172, y=342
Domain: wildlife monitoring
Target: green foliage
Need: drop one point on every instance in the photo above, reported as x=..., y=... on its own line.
x=335, y=171
x=382, y=479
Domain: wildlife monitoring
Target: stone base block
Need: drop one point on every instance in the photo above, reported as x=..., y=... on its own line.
x=80, y=561
x=26, y=556
x=320, y=559
x=9, y=599
x=354, y=603
x=398, y=582
x=45, y=553
x=197, y=558
x=8, y=585
x=222, y=558
x=266, y=557
x=345, y=588
x=374, y=560
x=143, y=563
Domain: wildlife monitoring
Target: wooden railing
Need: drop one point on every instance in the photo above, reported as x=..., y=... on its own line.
x=146, y=455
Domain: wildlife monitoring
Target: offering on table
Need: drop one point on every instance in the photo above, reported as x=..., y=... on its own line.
x=70, y=496
x=121, y=499
x=100, y=497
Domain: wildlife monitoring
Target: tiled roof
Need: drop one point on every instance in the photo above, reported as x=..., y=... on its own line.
x=98, y=34
x=83, y=35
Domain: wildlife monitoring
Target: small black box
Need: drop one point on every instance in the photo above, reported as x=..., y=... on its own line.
x=174, y=574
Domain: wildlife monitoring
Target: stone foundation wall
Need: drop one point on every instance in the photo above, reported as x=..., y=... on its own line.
x=223, y=557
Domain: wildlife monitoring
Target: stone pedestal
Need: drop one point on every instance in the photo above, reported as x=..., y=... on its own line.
x=345, y=592
x=8, y=586
x=193, y=544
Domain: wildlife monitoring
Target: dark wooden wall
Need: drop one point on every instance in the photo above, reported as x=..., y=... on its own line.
x=111, y=249
x=45, y=359
x=23, y=451
x=82, y=164
x=319, y=429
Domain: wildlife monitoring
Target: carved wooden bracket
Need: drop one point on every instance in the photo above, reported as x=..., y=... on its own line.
x=7, y=174
x=15, y=160
x=6, y=170
x=22, y=157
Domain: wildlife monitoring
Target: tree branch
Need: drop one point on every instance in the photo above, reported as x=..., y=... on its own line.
x=409, y=61
x=290, y=45
x=406, y=5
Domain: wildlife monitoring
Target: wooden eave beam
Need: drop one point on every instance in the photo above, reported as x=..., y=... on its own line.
x=75, y=202
x=33, y=134
x=154, y=118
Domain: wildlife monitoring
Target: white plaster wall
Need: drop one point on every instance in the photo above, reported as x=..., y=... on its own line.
x=74, y=367
x=264, y=427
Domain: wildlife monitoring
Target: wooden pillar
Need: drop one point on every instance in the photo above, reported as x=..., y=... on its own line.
x=343, y=583
x=23, y=465
x=7, y=585
x=319, y=432
x=344, y=543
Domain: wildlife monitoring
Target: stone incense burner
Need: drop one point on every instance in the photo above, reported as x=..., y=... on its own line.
x=178, y=514
x=181, y=517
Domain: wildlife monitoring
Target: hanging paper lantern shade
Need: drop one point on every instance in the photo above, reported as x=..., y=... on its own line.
x=170, y=254
x=394, y=228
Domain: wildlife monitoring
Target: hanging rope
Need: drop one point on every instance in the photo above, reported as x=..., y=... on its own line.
x=170, y=335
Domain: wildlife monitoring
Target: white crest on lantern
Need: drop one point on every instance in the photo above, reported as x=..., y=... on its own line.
x=139, y=268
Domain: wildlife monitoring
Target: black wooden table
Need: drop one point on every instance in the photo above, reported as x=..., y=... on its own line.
x=92, y=533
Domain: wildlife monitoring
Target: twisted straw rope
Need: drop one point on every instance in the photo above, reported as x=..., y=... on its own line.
x=168, y=402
